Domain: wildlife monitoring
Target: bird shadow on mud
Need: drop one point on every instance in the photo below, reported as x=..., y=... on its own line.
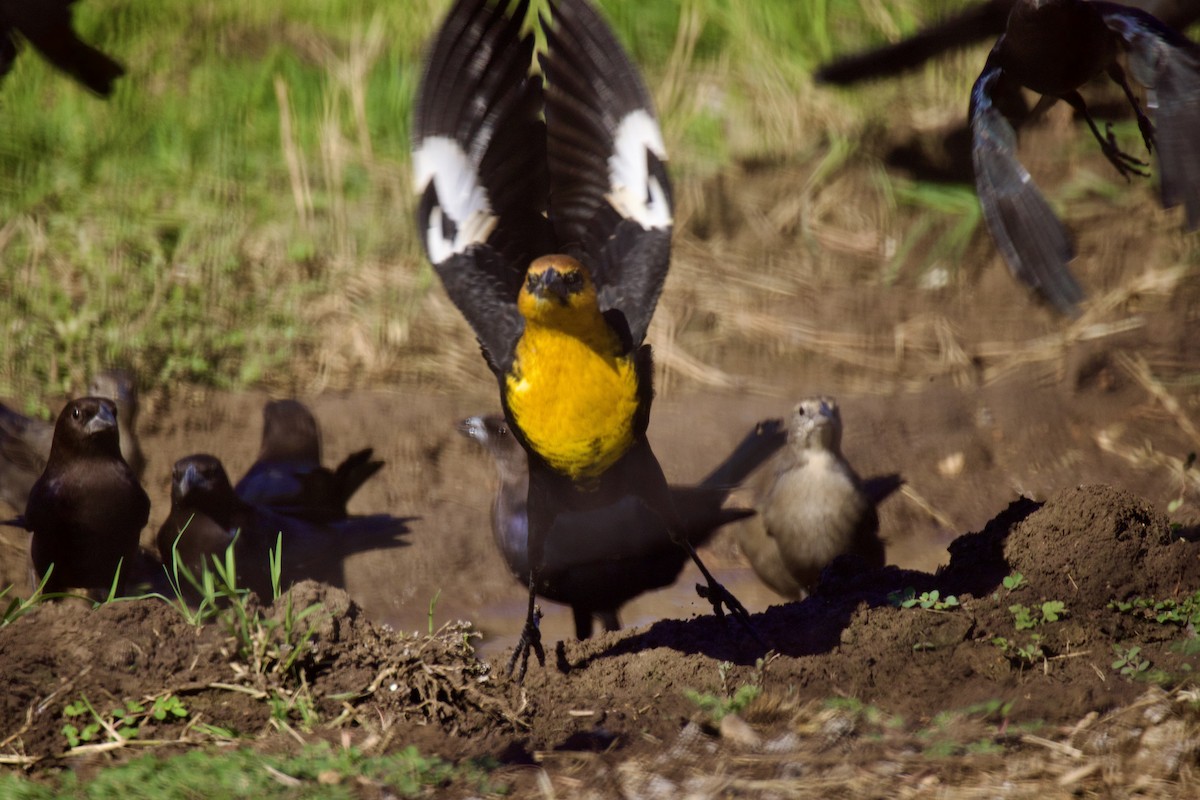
x=814, y=626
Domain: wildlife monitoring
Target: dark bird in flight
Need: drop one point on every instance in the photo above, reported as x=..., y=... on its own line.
x=87, y=509
x=596, y=561
x=288, y=477
x=545, y=209
x=46, y=24
x=207, y=517
x=1053, y=47
x=975, y=23
x=815, y=509
x=25, y=442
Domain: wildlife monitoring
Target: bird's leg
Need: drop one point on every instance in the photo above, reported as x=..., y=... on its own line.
x=531, y=637
x=719, y=596
x=609, y=620
x=1126, y=164
x=583, y=622
x=541, y=517
x=652, y=487
x=1144, y=124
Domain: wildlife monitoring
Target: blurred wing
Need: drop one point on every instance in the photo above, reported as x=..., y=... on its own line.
x=47, y=26
x=1035, y=245
x=24, y=442
x=982, y=21
x=610, y=197
x=1168, y=64
x=479, y=166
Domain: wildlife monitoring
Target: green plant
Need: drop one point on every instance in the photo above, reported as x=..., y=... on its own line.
x=931, y=600
x=1029, y=652
x=1129, y=661
x=119, y=724
x=729, y=702
x=1026, y=618
x=1182, y=612
x=1013, y=582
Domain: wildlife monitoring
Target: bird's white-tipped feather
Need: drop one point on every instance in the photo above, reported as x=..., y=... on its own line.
x=635, y=193
x=461, y=197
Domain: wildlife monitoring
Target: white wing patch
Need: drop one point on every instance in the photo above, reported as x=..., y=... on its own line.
x=460, y=196
x=633, y=191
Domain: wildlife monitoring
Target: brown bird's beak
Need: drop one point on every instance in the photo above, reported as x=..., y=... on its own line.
x=104, y=420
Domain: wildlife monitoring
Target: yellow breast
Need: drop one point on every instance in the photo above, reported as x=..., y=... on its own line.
x=573, y=398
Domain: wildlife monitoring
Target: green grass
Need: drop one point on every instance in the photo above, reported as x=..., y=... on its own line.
x=238, y=213
x=317, y=771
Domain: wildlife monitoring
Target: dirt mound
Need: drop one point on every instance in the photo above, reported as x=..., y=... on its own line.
x=973, y=646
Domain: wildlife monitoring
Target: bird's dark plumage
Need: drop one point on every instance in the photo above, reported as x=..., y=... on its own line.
x=87, y=509
x=596, y=561
x=545, y=209
x=974, y=23
x=1053, y=47
x=288, y=477
x=46, y=24
x=25, y=442
x=207, y=516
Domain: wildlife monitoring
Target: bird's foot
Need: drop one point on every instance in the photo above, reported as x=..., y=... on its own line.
x=1126, y=164
x=530, y=642
x=1147, y=129
x=722, y=599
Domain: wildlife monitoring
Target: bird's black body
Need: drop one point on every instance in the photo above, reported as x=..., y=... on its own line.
x=87, y=509
x=596, y=561
x=1054, y=47
x=46, y=24
x=207, y=517
x=25, y=442
x=288, y=477
x=514, y=168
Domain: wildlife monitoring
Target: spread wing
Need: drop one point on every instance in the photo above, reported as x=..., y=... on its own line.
x=1168, y=64
x=479, y=166
x=1035, y=245
x=610, y=198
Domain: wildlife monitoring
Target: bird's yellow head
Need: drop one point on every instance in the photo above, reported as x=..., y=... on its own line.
x=557, y=290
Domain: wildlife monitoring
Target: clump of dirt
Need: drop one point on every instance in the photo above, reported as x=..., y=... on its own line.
x=233, y=673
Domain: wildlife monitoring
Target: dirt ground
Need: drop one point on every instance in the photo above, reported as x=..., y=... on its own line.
x=1061, y=444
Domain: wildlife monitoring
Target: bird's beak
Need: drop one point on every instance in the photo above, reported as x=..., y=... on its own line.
x=826, y=409
x=103, y=421
x=550, y=284
x=191, y=479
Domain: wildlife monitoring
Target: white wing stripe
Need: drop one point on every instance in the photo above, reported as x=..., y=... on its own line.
x=634, y=192
x=460, y=196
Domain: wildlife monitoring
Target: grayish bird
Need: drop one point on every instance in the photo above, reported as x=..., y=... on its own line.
x=815, y=509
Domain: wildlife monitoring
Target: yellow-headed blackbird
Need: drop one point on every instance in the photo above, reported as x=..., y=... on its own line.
x=46, y=24
x=25, y=442
x=815, y=509
x=546, y=210
x=288, y=477
x=87, y=509
x=207, y=517
x=1053, y=47
x=596, y=561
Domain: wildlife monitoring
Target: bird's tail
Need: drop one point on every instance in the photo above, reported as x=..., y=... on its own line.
x=700, y=508
x=354, y=471
x=758, y=445
x=981, y=21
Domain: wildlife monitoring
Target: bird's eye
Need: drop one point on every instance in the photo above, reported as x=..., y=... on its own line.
x=573, y=280
x=531, y=282
x=75, y=413
x=502, y=430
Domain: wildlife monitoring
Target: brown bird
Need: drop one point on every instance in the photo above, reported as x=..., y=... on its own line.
x=87, y=508
x=815, y=510
x=597, y=560
x=46, y=24
x=25, y=442
x=207, y=517
x=288, y=477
